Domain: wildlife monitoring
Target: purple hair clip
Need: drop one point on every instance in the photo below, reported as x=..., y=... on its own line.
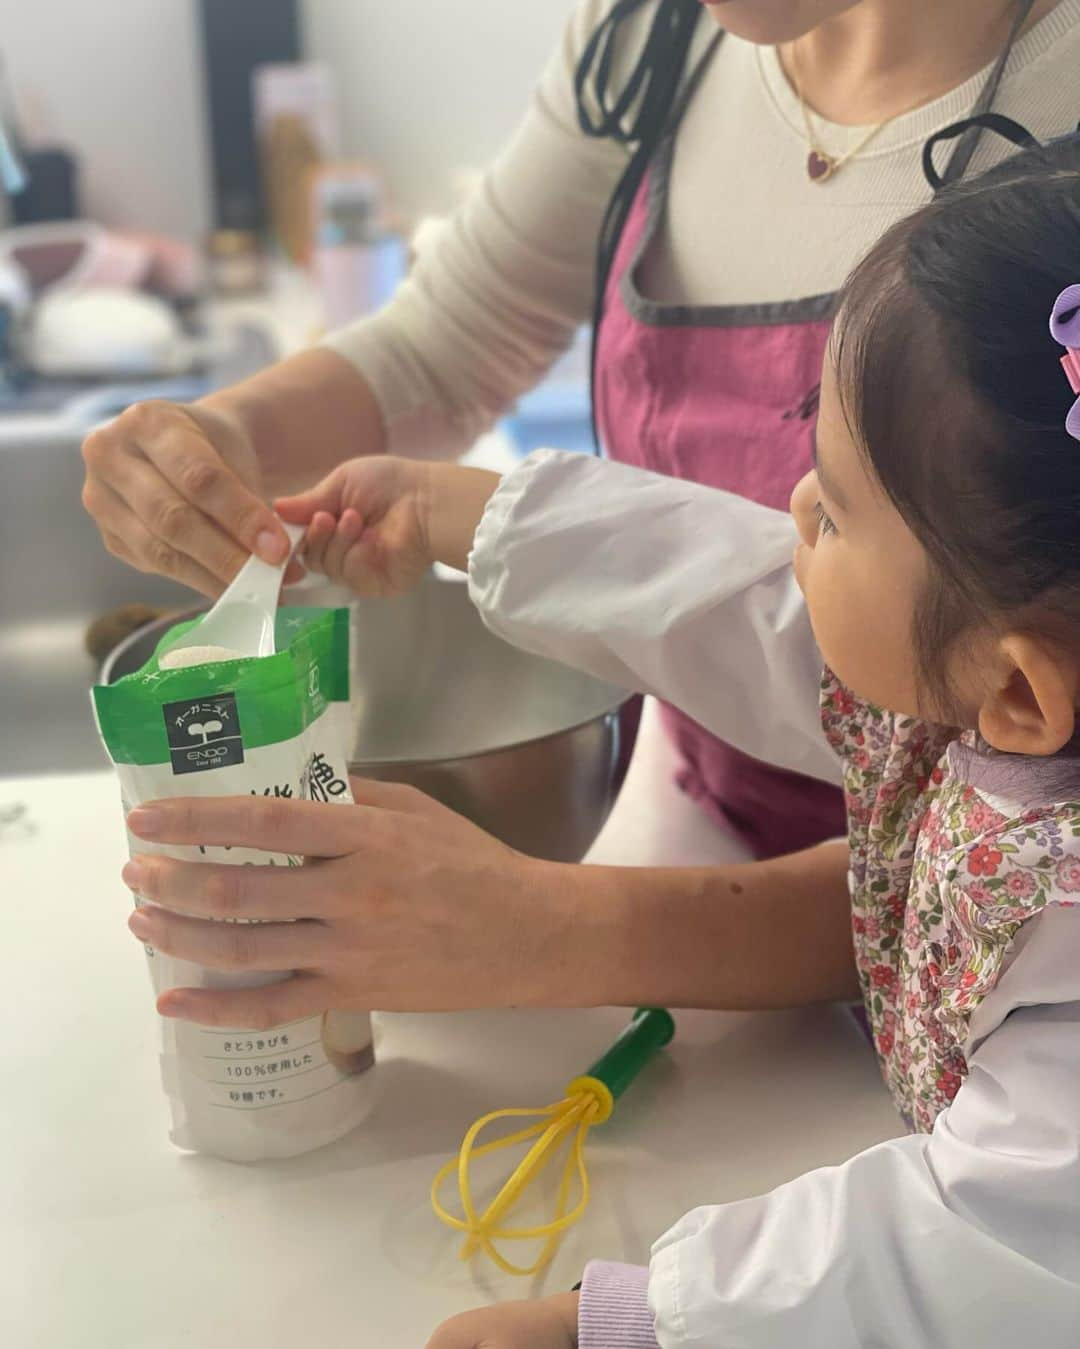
x=1065, y=328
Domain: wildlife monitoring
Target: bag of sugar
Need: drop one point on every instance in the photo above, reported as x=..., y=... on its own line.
x=223, y=725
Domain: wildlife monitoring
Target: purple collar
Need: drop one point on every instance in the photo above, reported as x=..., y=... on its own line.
x=1027, y=779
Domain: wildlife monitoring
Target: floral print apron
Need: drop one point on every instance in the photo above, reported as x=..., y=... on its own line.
x=953, y=848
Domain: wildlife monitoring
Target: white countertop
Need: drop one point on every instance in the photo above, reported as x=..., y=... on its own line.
x=109, y=1239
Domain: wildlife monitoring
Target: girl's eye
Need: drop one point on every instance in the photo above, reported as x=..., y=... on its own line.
x=825, y=524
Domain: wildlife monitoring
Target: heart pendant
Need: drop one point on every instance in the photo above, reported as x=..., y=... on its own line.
x=820, y=167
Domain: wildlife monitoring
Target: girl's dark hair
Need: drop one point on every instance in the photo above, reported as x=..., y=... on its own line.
x=954, y=391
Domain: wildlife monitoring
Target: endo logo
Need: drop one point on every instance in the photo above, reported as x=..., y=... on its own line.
x=204, y=734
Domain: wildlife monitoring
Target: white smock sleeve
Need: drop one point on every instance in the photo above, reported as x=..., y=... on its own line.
x=659, y=586
x=967, y=1236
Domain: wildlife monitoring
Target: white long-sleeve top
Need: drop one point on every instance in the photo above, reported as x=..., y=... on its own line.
x=491, y=304
x=966, y=1236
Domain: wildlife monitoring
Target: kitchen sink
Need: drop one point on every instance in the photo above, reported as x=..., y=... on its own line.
x=56, y=577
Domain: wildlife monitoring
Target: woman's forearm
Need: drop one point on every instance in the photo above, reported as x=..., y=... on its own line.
x=305, y=416
x=754, y=935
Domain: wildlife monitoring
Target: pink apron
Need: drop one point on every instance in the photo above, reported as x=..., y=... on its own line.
x=725, y=396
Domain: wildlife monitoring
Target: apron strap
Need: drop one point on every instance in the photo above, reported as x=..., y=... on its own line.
x=650, y=93
x=1002, y=126
x=652, y=82
x=969, y=142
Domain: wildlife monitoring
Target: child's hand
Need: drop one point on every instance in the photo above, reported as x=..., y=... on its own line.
x=377, y=524
x=550, y=1323
x=366, y=525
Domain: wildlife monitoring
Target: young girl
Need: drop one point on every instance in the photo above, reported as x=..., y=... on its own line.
x=939, y=554
x=790, y=142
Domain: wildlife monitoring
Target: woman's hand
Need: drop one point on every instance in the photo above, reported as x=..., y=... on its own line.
x=405, y=906
x=549, y=1323
x=377, y=524
x=174, y=489
x=402, y=906
x=178, y=489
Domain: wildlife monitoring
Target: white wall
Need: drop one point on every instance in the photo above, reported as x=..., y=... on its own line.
x=117, y=81
x=429, y=88
x=432, y=87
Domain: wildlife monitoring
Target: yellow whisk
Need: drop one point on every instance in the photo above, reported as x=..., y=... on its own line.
x=589, y=1100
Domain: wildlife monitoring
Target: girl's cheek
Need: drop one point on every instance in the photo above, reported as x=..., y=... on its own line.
x=813, y=580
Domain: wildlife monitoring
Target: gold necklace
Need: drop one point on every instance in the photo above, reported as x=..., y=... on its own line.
x=820, y=166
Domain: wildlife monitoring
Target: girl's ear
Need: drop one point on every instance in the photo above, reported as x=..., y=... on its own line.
x=1030, y=706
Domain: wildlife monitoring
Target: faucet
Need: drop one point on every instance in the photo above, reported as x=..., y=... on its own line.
x=13, y=180
x=12, y=174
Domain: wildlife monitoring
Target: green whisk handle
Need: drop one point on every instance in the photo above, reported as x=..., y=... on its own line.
x=650, y=1030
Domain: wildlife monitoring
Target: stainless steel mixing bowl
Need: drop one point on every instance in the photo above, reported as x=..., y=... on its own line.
x=524, y=747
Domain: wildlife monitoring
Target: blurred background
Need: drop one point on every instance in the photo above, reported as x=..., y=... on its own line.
x=190, y=190
x=426, y=89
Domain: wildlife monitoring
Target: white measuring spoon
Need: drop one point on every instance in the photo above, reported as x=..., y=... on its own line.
x=242, y=620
